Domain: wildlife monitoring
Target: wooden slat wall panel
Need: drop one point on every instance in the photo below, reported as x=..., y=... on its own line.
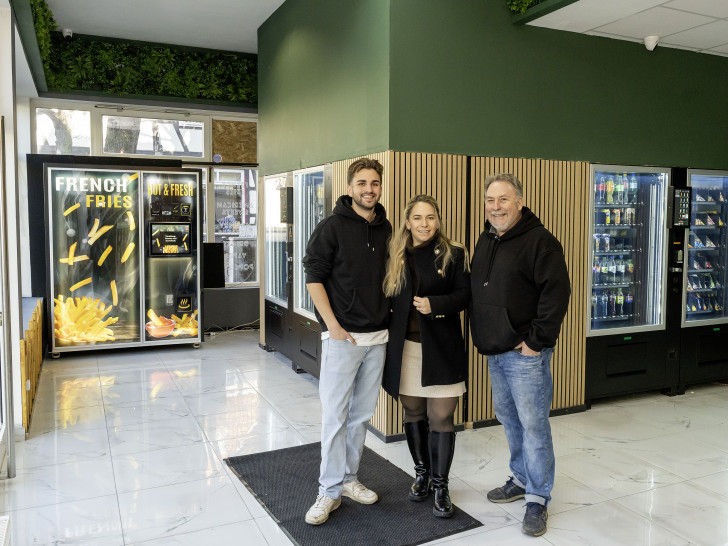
x=555, y=191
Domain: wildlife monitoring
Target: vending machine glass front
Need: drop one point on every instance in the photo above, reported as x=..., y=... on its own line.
x=628, y=238
x=704, y=298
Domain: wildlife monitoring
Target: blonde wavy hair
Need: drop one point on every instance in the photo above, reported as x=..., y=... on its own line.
x=394, y=279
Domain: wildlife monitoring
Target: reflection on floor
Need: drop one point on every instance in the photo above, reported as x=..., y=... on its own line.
x=128, y=448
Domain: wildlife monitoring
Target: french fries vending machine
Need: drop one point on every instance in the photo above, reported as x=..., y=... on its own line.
x=122, y=256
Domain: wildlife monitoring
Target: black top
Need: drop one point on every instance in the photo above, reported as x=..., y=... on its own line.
x=347, y=254
x=444, y=361
x=520, y=287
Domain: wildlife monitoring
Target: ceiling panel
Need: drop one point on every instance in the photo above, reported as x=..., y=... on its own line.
x=702, y=37
x=696, y=25
x=712, y=8
x=657, y=21
x=587, y=14
x=215, y=24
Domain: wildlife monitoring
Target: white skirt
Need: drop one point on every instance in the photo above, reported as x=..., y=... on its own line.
x=410, y=381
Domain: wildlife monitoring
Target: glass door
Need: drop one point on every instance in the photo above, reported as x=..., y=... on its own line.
x=276, y=238
x=704, y=298
x=629, y=235
x=309, y=198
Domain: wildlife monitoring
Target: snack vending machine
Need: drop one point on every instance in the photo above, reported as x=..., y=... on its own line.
x=704, y=319
x=123, y=256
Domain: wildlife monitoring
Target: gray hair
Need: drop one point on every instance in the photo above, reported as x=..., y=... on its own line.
x=508, y=179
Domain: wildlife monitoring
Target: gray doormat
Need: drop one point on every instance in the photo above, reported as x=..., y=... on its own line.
x=285, y=482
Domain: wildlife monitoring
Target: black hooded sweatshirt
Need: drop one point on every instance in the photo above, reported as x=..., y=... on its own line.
x=520, y=287
x=347, y=254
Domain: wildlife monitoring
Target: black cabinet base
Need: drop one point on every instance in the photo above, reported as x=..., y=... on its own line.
x=627, y=364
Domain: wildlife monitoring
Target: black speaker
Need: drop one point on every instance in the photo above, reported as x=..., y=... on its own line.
x=213, y=265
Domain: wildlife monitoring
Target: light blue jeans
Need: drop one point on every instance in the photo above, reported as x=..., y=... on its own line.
x=349, y=388
x=522, y=391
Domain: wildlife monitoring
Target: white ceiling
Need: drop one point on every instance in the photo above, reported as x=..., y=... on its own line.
x=215, y=24
x=696, y=25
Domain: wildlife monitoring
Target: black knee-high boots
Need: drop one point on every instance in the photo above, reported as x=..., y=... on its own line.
x=417, y=440
x=442, y=449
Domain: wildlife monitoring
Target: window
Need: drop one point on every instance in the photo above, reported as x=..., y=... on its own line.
x=236, y=213
x=309, y=196
x=148, y=136
x=62, y=132
x=275, y=239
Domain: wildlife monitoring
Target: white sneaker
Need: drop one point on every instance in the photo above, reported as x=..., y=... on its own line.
x=321, y=509
x=360, y=493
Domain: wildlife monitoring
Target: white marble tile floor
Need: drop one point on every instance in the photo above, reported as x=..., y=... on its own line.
x=128, y=448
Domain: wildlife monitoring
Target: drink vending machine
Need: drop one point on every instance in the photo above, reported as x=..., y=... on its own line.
x=123, y=256
x=626, y=324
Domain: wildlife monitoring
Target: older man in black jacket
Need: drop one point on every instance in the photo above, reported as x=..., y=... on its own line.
x=520, y=293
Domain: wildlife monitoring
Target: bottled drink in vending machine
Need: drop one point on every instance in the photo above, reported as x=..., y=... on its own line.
x=594, y=300
x=596, y=271
x=601, y=190
x=604, y=277
x=612, y=270
x=610, y=189
x=606, y=243
x=620, y=302
x=633, y=186
x=628, y=303
x=629, y=270
x=619, y=191
x=603, y=304
x=597, y=242
x=612, y=305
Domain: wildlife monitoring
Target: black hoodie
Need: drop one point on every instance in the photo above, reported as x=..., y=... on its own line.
x=520, y=287
x=347, y=255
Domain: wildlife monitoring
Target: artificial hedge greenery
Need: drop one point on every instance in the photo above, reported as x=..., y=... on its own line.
x=520, y=6
x=132, y=68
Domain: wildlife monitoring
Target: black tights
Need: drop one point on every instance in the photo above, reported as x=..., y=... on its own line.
x=438, y=411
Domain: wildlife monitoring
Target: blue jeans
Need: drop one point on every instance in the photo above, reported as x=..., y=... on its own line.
x=349, y=388
x=522, y=391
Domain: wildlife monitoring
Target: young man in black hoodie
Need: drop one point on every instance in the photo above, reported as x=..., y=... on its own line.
x=520, y=292
x=344, y=264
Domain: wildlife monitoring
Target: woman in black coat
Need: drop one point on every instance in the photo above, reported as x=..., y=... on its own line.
x=429, y=284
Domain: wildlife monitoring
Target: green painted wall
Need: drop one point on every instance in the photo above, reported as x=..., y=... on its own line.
x=323, y=82
x=465, y=80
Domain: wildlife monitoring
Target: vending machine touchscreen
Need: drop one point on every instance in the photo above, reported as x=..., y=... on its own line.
x=169, y=239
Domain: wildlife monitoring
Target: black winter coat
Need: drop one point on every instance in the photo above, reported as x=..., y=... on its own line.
x=520, y=288
x=443, y=349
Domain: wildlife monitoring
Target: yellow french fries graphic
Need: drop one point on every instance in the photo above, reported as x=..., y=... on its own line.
x=80, y=284
x=132, y=224
x=70, y=209
x=154, y=318
x=127, y=252
x=71, y=252
x=187, y=325
x=76, y=259
x=98, y=234
x=82, y=320
x=114, y=293
x=104, y=255
x=94, y=228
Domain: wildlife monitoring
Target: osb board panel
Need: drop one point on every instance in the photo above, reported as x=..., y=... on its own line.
x=235, y=141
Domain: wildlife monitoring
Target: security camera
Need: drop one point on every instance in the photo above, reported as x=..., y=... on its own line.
x=651, y=42
x=67, y=32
